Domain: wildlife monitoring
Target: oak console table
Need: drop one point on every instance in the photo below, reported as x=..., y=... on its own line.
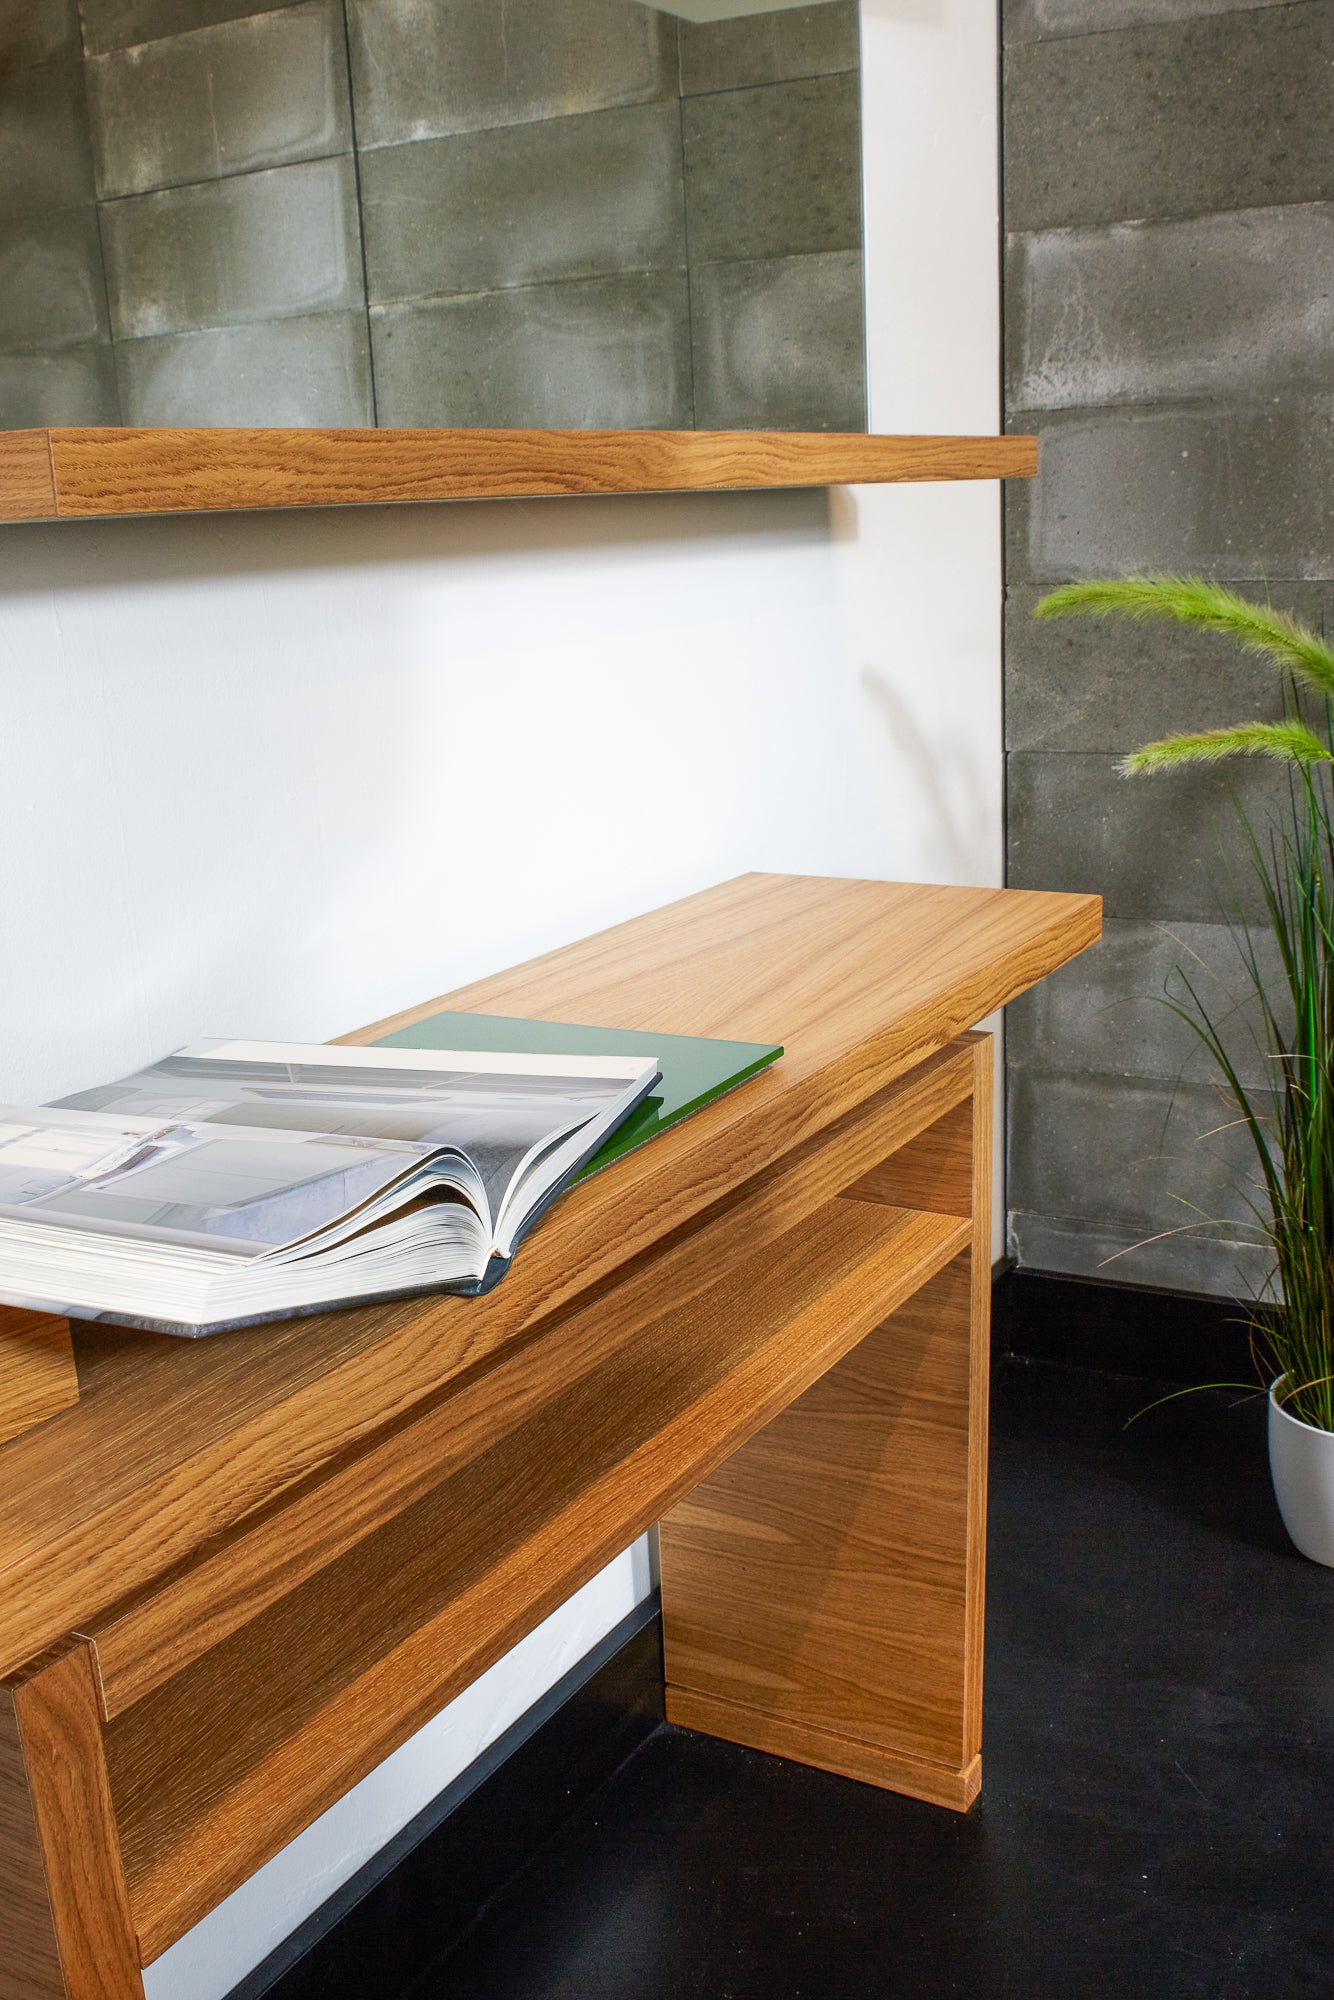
x=237, y=1573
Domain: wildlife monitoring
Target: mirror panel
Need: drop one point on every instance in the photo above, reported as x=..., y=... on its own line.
x=527, y=213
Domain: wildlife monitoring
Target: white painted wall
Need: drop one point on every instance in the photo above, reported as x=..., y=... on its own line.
x=922, y=575
x=280, y=775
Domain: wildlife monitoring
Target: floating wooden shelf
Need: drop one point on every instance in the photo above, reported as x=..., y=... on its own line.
x=56, y=475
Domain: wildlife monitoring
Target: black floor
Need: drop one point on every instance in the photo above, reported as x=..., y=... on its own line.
x=1157, y=1814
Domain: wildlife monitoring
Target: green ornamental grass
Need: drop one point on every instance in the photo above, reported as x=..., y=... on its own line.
x=1292, y=1126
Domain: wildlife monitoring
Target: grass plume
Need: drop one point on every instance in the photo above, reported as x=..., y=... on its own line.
x=1288, y=742
x=1209, y=607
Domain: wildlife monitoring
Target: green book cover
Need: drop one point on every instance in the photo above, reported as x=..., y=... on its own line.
x=695, y=1069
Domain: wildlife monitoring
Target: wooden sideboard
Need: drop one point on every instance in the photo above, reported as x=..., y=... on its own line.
x=237, y=1573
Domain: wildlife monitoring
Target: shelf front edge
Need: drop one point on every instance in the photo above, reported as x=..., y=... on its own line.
x=27, y=477
x=97, y=473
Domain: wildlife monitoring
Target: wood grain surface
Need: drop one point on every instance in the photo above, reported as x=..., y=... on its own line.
x=820, y=1575
x=934, y=1171
x=143, y=1641
x=29, y=1955
x=173, y=1442
x=64, y=1917
x=979, y=1399
x=290, y=1547
x=27, y=478
x=827, y=1579
x=108, y=471
x=37, y=1372
x=563, y=1453
x=918, y=1777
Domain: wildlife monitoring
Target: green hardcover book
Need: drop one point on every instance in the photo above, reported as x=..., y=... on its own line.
x=695, y=1068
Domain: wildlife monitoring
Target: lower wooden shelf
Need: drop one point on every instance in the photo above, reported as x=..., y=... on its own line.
x=81, y=474
x=232, y=1756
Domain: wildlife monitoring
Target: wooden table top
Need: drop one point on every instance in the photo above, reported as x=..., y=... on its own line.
x=174, y=1441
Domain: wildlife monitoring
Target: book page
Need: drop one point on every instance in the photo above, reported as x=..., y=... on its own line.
x=495, y=1108
x=239, y=1190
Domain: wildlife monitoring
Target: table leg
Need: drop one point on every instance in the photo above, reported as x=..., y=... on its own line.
x=823, y=1590
x=65, y=1929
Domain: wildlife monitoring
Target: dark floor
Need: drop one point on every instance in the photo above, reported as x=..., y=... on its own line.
x=1159, y=1773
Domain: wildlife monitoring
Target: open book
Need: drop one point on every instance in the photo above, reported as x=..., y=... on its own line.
x=243, y=1181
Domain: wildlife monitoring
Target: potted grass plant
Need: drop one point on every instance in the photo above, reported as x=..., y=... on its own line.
x=1291, y=1124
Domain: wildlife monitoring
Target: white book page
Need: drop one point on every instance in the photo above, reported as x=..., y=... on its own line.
x=499, y=1110
x=483, y=1062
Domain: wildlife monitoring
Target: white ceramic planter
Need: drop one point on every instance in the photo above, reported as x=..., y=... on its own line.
x=1301, y=1463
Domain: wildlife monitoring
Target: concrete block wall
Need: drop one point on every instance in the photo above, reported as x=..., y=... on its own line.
x=56, y=361
x=227, y=194
x=555, y=212
x=770, y=119
x=1169, y=315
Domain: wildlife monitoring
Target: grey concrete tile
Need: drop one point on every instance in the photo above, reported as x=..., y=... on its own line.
x=601, y=353
x=780, y=344
x=775, y=171
x=769, y=48
x=118, y=24
x=1107, y=684
x=38, y=31
x=45, y=157
x=1138, y=1157
x=1238, y=305
x=286, y=372
x=1200, y=1261
x=1166, y=846
x=525, y=204
x=1149, y=121
x=1039, y=20
x=251, y=93
x=1244, y=492
x=52, y=293
x=272, y=245
x=424, y=71
x=77, y=385
x=1111, y=1011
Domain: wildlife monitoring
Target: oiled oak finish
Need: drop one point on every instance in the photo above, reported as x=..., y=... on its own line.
x=64, y=1917
x=822, y=1591
x=285, y=1549
x=73, y=474
x=27, y=477
x=143, y=1641
x=37, y=1372
x=934, y=1171
x=172, y=1443
x=30, y=1962
x=815, y=1589
x=546, y=1488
